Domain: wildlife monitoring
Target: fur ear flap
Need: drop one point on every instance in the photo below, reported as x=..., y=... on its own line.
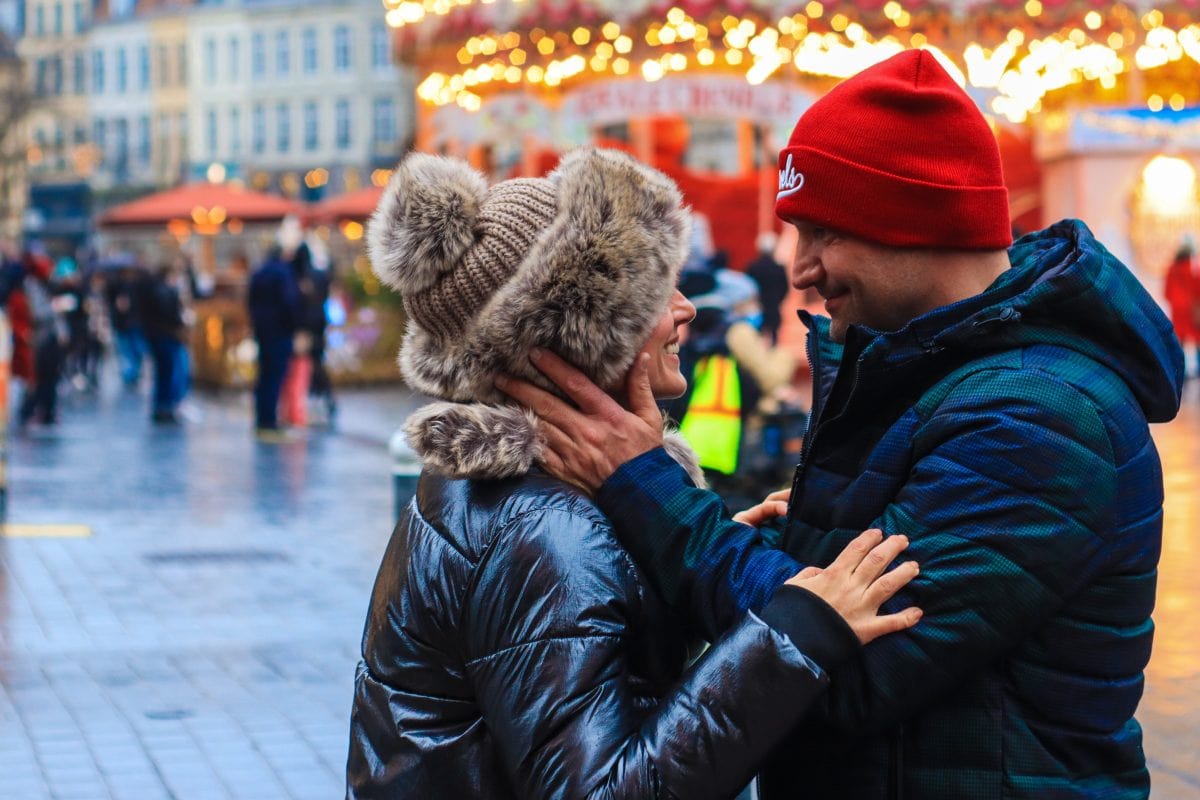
x=425, y=221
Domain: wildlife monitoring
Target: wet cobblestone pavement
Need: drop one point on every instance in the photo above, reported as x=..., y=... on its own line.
x=201, y=641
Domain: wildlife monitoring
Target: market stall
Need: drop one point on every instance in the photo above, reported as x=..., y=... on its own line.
x=221, y=229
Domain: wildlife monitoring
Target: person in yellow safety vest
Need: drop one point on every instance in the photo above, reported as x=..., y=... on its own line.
x=735, y=370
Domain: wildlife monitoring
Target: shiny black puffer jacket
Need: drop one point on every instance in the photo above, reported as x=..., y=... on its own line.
x=513, y=650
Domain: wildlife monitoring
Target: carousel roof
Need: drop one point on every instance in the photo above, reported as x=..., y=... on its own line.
x=1016, y=54
x=201, y=201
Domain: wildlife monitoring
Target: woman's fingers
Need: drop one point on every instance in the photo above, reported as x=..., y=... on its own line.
x=884, y=587
x=876, y=562
x=853, y=554
x=875, y=627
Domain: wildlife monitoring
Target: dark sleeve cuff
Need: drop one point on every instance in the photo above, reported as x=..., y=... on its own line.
x=814, y=627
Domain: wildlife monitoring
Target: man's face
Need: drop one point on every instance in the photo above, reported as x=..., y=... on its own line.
x=863, y=283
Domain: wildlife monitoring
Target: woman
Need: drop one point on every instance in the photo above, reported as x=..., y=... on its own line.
x=1182, y=291
x=512, y=648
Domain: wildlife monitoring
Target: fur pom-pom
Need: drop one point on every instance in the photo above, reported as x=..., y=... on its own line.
x=473, y=440
x=425, y=221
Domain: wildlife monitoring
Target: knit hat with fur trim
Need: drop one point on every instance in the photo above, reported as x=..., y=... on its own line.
x=899, y=155
x=582, y=262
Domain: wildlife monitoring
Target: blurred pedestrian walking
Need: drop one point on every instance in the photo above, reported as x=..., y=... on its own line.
x=274, y=304
x=166, y=334
x=123, y=293
x=1183, y=296
x=48, y=340
x=772, y=281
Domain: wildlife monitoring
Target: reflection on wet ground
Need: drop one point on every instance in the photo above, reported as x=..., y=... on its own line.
x=1170, y=710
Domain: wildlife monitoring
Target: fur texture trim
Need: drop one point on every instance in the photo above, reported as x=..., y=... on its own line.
x=473, y=440
x=425, y=221
x=591, y=288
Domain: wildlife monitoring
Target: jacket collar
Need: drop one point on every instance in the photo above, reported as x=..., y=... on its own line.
x=475, y=440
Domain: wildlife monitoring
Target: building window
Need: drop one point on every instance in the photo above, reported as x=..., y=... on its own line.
x=384, y=128
x=144, y=68
x=58, y=19
x=235, y=59
x=100, y=138
x=342, y=124
x=80, y=20
x=121, y=162
x=164, y=66
x=380, y=57
x=80, y=134
x=122, y=71
x=283, y=128
x=210, y=135
x=80, y=74
x=39, y=20
x=184, y=135
x=341, y=48
x=183, y=65
x=235, y=131
x=143, y=140
x=311, y=126
x=210, y=61
x=309, y=47
x=258, y=129
x=283, y=55
x=56, y=70
x=40, y=82
x=98, y=71
x=258, y=56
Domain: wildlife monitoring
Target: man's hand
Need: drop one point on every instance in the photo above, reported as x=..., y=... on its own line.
x=775, y=505
x=586, y=444
x=854, y=584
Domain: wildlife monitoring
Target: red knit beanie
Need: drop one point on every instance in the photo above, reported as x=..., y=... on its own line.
x=899, y=155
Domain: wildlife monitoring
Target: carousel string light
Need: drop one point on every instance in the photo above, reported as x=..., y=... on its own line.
x=1020, y=70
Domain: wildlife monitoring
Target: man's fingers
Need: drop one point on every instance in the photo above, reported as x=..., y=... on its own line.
x=641, y=395
x=888, y=623
x=587, y=395
x=876, y=562
x=783, y=494
x=545, y=405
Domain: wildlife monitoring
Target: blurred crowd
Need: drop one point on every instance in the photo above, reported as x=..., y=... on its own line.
x=67, y=315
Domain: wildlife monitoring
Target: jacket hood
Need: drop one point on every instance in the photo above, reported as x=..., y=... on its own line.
x=475, y=440
x=1065, y=289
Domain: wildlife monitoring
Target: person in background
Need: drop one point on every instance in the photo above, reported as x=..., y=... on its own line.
x=1182, y=292
x=274, y=304
x=166, y=334
x=124, y=292
x=48, y=339
x=772, y=281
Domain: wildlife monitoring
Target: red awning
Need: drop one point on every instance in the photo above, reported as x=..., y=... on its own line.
x=182, y=202
x=356, y=205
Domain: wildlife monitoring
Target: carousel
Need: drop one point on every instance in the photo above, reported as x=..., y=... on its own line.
x=1092, y=102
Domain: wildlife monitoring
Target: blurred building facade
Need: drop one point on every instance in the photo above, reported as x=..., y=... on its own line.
x=298, y=96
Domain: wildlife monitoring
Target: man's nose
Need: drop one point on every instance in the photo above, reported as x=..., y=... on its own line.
x=806, y=271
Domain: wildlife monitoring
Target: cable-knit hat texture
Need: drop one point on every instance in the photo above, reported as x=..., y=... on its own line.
x=900, y=155
x=582, y=262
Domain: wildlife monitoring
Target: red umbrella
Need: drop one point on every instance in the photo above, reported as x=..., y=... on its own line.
x=201, y=201
x=356, y=205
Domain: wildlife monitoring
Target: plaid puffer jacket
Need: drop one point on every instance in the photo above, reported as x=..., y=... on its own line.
x=1007, y=436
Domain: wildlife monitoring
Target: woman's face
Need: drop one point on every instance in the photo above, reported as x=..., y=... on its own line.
x=666, y=380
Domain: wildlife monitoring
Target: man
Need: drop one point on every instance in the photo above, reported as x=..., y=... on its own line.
x=990, y=405
x=772, y=282
x=274, y=302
